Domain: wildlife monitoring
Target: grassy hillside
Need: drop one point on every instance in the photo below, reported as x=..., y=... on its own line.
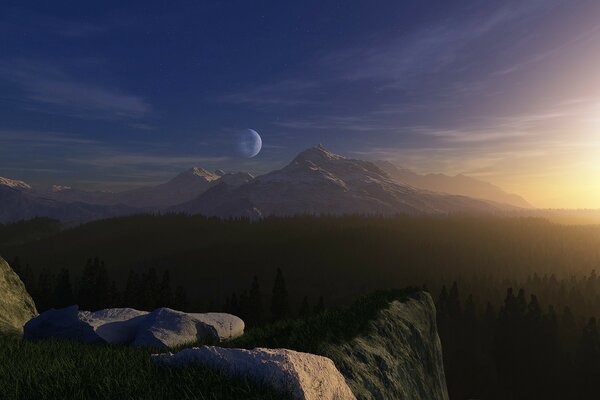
x=314, y=334
x=63, y=369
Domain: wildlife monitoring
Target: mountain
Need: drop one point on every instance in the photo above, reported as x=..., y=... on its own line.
x=11, y=183
x=18, y=205
x=318, y=181
x=184, y=187
x=459, y=185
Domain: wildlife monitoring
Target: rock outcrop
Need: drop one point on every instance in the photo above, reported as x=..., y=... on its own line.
x=162, y=327
x=304, y=376
x=400, y=357
x=396, y=355
x=16, y=305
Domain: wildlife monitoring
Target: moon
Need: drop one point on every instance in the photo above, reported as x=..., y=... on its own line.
x=249, y=143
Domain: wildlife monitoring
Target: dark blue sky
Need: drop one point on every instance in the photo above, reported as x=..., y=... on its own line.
x=110, y=94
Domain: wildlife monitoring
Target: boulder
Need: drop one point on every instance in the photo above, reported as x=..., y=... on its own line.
x=162, y=327
x=63, y=323
x=227, y=326
x=115, y=325
x=302, y=375
x=16, y=305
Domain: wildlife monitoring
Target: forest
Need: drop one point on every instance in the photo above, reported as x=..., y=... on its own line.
x=517, y=298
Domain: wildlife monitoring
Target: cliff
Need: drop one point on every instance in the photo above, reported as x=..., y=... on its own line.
x=385, y=345
x=398, y=357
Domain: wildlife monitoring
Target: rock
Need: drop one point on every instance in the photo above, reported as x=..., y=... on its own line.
x=115, y=325
x=162, y=327
x=399, y=358
x=227, y=326
x=16, y=305
x=303, y=375
x=63, y=323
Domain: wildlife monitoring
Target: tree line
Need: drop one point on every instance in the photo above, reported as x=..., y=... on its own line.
x=149, y=290
x=519, y=350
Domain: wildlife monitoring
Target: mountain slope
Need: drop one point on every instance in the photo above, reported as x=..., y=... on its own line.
x=17, y=205
x=459, y=185
x=320, y=182
x=184, y=187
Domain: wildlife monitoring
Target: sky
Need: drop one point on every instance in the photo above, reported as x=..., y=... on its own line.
x=112, y=95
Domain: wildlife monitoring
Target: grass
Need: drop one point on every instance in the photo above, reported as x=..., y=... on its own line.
x=54, y=369
x=313, y=334
x=68, y=370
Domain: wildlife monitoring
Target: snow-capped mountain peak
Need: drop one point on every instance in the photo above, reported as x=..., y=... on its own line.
x=60, y=188
x=202, y=173
x=15, y=184
x=316, y=155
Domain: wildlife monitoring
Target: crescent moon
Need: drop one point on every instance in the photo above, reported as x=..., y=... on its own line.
x=249, y=143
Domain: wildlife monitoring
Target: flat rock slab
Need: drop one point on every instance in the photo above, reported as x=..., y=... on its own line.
x=162, y=327
x=302, y=375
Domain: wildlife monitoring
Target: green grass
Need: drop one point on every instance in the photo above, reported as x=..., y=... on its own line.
x=314, y=334
x=68, y=370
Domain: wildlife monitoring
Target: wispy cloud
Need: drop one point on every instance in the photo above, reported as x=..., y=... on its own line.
x=50, y=88
x=118, y=160
x=442, y=47
x=33, y=137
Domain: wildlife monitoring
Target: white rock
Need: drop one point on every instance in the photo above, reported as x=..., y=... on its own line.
x=63, y=323
x=162, y=327
x=115, y=325
x=303, y=375
x=227, y=326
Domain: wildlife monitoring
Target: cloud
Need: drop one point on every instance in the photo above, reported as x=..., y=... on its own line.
x=117, y=160
x=49, y=88
x=32, y=137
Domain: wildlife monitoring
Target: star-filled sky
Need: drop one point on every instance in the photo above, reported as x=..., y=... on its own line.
x=112, y=95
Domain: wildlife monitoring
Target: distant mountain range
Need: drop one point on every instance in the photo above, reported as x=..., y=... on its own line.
x=320, y=182
x=184, y=187
x=316, y=182
x=458, y=184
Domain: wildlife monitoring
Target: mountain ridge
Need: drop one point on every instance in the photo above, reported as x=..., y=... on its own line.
x=458, y=184
x=316, y=182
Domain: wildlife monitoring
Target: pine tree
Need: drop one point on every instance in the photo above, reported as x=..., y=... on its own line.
x=165, y=296
x=44, y=291
x=304, y=308
x=149, y=289
x=16, y=266
x=320, y=306
x=454, y=308
x=254, y=309
x=85, y=298
x=588, y=361
x=63, y=292
x=180, y=300
x=279, y=301
x=101, y=287
x=131, y=297
x=114, y=297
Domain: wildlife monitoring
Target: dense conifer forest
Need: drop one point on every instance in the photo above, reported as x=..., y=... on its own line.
x=517, y=298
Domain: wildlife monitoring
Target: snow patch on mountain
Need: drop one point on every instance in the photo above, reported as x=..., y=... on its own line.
x=15, y=184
